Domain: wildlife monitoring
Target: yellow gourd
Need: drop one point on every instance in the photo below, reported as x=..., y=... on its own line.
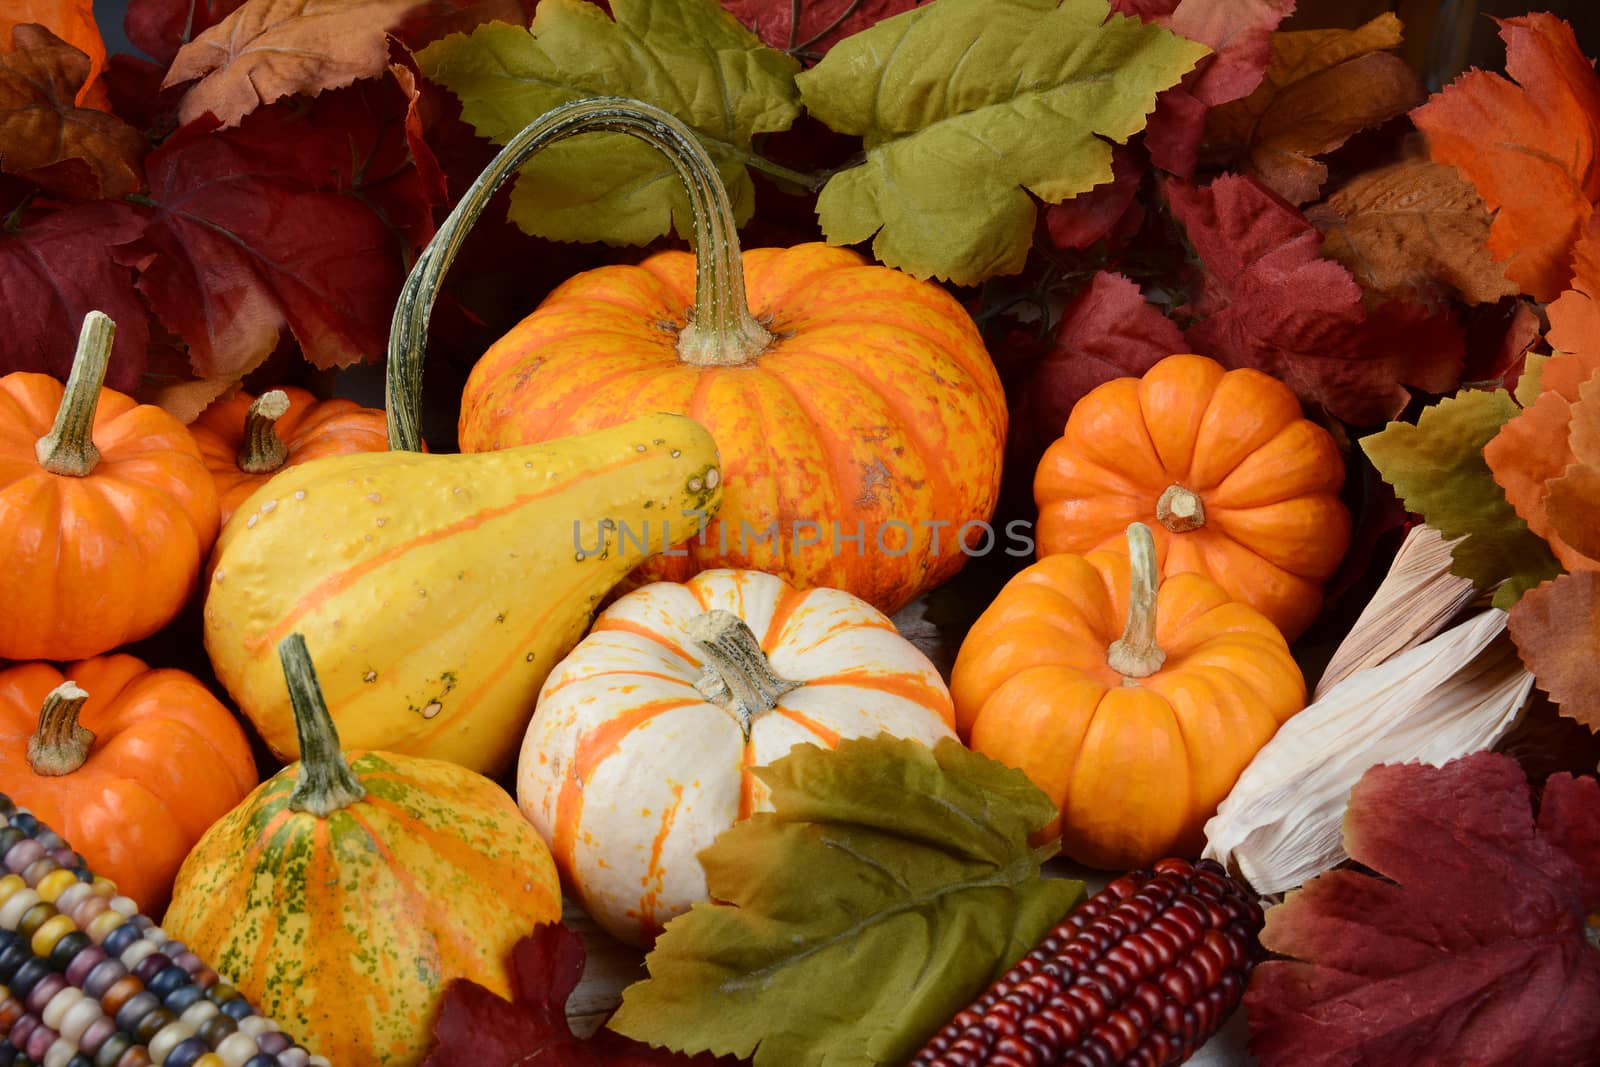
x=436, y=592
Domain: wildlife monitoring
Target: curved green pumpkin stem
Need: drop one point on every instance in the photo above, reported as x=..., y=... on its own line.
x=263, y=451
x=721, y=330
x=326, y=784
x=1136, y=655
x=61, y=743
x=738, y=676
x=69, y=446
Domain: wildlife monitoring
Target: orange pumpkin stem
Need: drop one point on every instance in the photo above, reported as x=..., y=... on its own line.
x=1135, y=654
x=1181, y=510
x=326, y=784
x=68, y=449
x=721, y=330
x=263, y=450
x=61, y=744
x=738, y=677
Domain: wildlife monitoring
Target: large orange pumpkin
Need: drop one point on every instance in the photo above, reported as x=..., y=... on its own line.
x=106, y=511
x=1234, y=482
x=859, y=419
x=129, y=764
x=245, y=440
x=1134, y=705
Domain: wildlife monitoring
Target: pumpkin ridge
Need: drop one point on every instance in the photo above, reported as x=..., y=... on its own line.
x=747, y=780
x=898, y=684
x=339, y=580
x=619, y=673
x=628, y=626
x=789, y=602
x=829, y=738
x=557, y=418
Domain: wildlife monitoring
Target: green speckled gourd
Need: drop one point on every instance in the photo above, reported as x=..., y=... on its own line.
x=345, y=893
x=437, y=591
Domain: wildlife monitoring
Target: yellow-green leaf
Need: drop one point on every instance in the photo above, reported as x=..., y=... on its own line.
x=892, y=883
x=689, y=57
x=967, y=106
x=1437, y=468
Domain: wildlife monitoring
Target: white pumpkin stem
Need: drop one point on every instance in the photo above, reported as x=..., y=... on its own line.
x=61, y=743
x=721, y=330
x=69, y=447
x=737, y=675
x=263, y=451
x=1181, y=510
x=326, y=783
x=1136, y=655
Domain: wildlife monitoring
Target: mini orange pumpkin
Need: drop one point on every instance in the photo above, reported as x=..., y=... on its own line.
x=131, y=765
x=245, y=440
x=1136, y=738
x=106, y=512
x=1235, y=483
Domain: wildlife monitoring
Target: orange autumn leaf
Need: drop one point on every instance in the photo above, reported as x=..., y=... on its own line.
x=1529, y=148
x=1574, y=500
x=1556, y=628
x=73, y=22
x=1534, y=448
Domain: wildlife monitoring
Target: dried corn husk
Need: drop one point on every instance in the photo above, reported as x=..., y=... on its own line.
x=1456, y=694
x=1418, y=598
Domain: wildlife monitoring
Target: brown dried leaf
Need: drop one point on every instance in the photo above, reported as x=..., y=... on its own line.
x=74, y=152
x=269, y=49
x=1322, y=87
x=1557, y=630
x=1408, y=230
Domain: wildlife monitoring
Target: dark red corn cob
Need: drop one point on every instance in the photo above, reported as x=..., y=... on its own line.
x=1140, y=975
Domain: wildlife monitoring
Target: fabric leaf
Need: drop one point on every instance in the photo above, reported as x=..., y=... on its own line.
x=159, y=28
x=1437, y=467
x=1321, y=88
x=1557, y=629
x=73, y=22
x=688, y=57
x=74, y=152
x=812, y=26
x=53, y=271
x=1532, y=149
x=1573, y=505
x=1468, y=947
x=889, y=886
x=1414, y=230
x=476, y=1028
x=270, y=49
x=968, y=106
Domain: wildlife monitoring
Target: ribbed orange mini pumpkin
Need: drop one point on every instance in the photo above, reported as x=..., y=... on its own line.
x=106, y=512
x=131, y=765
x=859, y=418
x=1235, y=483
x=1134, y=705
x=246, y=439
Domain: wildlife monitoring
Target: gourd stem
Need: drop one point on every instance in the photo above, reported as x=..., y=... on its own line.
x=326, y=784
x=263, y=451
x=737, y=674
x=68, y=448
x=61, y=744
x=1181, y=510
x=721, y=328
x=1136, y=654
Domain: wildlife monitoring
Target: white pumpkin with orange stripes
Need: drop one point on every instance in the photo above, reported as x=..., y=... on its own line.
x=640, y=751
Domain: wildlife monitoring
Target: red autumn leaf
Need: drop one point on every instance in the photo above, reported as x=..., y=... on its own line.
x=430, y=20
x=1092, y=216
x=74, y=152
x=1271, y=302
x=1498, y=339
x=1469, y=946
x=476, y=1028
x=53, y=271
x=270, y=49
x=1532, y=149
x=158, y=28
x=820, y=24
x=1239, y=34
x=285, y=220
x=1556, y=627
x=73, y=22
x=1107, y=331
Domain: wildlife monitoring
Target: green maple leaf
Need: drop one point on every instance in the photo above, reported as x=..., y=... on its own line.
x=889, y=887
x=967, y=106
x=1437, y=468
x=688, y=57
